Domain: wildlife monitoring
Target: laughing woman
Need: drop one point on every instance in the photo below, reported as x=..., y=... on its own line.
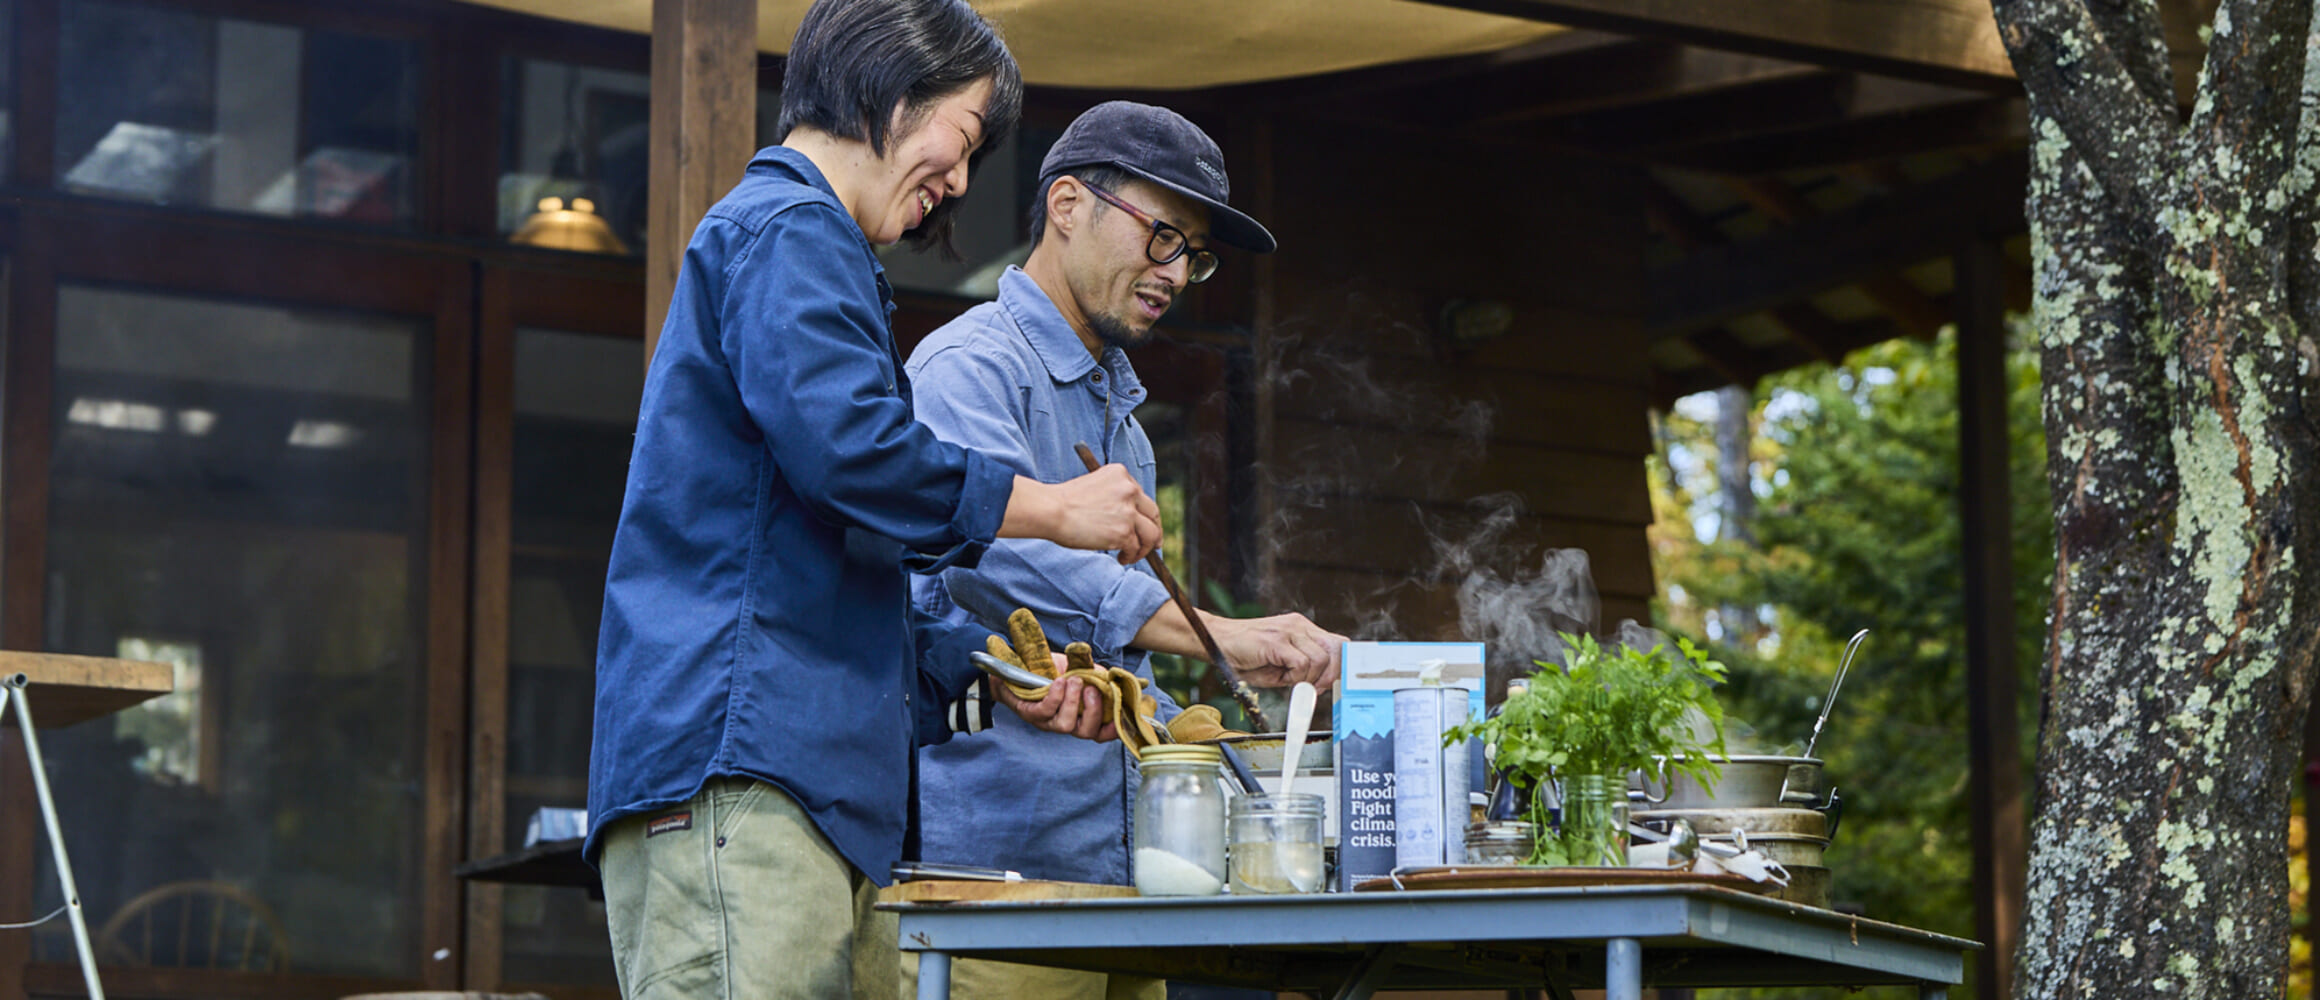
x=761, y=680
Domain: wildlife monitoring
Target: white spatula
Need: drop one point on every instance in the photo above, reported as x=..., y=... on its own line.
x=1300, y=721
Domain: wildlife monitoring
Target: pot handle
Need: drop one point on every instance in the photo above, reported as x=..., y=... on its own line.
x=1644, y=794
x=1834, y=809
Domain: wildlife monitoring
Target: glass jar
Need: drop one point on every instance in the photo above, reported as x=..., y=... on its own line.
x=1179, y=832
x=1595, y=821
x=1500, y=842
x=1276, y=843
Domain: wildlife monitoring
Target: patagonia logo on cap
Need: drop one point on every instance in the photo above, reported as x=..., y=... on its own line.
x=670, y=823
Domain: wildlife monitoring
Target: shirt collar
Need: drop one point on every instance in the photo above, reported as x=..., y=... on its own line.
x=1056, y=343
x=782, y=161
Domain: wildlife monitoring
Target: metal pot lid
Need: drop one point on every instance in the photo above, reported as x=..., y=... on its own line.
x=1758, y=822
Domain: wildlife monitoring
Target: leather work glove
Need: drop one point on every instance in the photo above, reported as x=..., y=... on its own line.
x=1199, y=723
x=1129, y=707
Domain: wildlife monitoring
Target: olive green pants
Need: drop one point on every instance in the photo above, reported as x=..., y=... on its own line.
x=973, y=979
x=736, y=895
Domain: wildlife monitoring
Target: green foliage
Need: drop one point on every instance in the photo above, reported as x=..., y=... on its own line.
x=1604, y=711
x=1857, y=475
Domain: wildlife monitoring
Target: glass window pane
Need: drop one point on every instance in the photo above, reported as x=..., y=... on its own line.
x=239, y=491
x=575, y=132
x=575, y=401
x=768, y=115
x=182, y=108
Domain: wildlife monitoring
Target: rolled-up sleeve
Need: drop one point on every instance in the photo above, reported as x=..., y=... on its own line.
x=944, y=670
x=804, y=328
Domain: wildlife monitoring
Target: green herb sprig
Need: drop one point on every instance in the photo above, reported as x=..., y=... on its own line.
x=1605, y=711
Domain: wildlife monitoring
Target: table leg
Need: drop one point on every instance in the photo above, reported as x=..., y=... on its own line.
x=934, y=975
x=1623, y=970
x=1367, y=976
x=14, y=685
x=1932, y=991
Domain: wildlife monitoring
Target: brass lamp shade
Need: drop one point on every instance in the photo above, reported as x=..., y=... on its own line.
x=576, y=228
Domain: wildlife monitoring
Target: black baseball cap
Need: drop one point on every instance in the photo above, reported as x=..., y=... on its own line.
x=1160, y=146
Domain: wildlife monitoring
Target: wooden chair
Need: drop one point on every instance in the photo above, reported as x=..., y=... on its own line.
x=196, y=924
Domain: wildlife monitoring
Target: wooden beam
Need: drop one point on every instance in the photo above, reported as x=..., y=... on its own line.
x=1993, y=680
x=1943, y=41
x=1989, y=123
x=1841, y=338
x=1344, y=87
x=1736, y=361
x=1820, y=335
x=1871, y=238
x=1627, y=73
x=704, y=122
x=1916, y=311
x=1766, y=104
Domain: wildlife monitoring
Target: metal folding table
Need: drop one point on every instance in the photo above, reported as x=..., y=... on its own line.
x=84, y=687
x=1349, y=945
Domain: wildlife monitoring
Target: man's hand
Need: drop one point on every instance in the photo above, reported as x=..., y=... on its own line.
x=1279, y=651
x=1104, y=509
x=1070, y=707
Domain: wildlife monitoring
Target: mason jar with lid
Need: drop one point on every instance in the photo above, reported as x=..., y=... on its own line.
x=1179, y=832
x=1276, y=843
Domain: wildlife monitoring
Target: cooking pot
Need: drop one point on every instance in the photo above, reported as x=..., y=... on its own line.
x=1745, y=781
x=1719, y=823
x=1263, y=751
x=1810, y=852
x=1806, y=884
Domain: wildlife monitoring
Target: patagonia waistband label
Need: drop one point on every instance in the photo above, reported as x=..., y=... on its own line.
x=670, y=823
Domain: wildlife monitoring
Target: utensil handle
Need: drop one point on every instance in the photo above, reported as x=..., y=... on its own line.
x=1829, y=700
x=1240, y=770
x=1241, y=692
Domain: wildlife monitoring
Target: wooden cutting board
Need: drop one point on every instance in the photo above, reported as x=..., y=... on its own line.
x=974, y=891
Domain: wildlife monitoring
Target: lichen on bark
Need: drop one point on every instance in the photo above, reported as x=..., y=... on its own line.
x=2175, y=302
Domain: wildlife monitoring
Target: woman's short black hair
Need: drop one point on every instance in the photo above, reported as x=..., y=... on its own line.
x=855, y=63
x=1103, y=175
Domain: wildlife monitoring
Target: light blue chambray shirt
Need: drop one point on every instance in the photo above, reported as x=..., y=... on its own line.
x=1010, y=380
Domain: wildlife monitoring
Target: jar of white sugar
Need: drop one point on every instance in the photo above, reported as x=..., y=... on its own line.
x=1179, y=836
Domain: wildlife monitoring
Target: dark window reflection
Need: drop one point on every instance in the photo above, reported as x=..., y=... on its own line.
x=182, y=108
x=576, y=400
x=575, y=133
x=239, y=491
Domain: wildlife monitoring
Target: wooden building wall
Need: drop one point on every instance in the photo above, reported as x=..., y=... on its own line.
x=1387, y=441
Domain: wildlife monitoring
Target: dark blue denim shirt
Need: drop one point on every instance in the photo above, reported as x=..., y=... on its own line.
x=756, y=619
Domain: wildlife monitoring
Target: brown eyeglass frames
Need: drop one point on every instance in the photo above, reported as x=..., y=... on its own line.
x=1167, y=243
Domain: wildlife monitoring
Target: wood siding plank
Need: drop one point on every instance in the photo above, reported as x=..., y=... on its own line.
x=1943, y=41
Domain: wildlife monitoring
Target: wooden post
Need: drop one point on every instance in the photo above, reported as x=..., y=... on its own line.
x=704, y=125
x=1993, y=679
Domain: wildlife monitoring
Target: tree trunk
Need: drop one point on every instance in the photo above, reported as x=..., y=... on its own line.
x=2172, y=261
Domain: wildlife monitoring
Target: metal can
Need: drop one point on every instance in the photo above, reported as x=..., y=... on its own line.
x=1431, y=781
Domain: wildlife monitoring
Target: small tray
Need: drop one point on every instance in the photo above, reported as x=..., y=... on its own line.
x=1543, y=877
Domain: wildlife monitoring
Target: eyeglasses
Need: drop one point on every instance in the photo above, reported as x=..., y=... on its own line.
x=1168, y=242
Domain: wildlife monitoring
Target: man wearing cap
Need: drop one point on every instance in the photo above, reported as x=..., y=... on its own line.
x=1131, y=204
